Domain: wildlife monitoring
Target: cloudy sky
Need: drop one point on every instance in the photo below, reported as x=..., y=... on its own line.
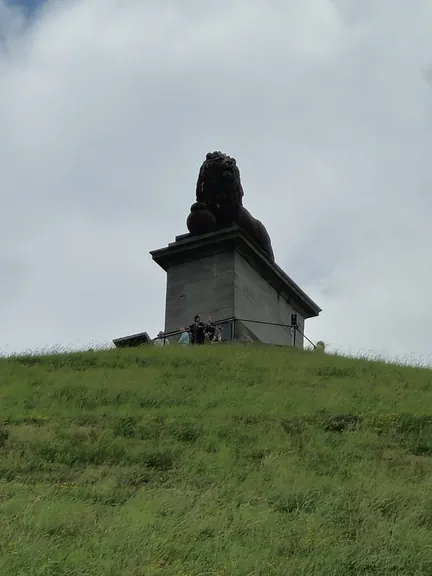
x=108, y=107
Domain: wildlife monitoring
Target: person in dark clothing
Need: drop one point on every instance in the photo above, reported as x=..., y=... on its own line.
x=197, y=331
x=210, y=329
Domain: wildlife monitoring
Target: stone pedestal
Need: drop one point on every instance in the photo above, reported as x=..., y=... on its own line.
x=225, y=275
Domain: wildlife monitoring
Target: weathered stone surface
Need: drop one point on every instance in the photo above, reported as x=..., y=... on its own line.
x=225, y=275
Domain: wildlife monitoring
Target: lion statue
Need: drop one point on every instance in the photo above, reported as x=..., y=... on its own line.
x=219, y=202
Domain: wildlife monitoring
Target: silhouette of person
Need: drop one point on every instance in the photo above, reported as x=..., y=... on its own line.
x=197, y=331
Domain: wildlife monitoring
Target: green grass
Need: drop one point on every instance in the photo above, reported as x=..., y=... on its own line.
x=222, y=460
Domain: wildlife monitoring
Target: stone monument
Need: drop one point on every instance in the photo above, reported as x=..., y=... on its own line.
x=225, y=267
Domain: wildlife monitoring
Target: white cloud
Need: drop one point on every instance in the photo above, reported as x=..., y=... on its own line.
x=107, y=108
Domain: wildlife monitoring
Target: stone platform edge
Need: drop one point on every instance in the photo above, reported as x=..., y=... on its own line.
x=187, y=247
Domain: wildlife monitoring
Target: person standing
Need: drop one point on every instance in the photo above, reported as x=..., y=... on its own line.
x=184, y=336
x=161, y=340
x=197, y=331
x=210, y=329
x=218, y=334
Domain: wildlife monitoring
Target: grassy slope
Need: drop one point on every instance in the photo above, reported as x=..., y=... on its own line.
x=214, y=461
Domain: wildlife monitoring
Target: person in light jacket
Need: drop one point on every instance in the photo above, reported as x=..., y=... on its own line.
x=184, y=336
x=161, y=340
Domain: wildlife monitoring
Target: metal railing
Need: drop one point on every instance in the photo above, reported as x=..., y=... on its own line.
x=231, y=322
x=226, y=321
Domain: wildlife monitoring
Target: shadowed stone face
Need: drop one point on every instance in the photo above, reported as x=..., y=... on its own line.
x=219, y=202
x=219, y=182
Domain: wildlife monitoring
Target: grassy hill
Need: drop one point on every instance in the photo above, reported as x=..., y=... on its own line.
x=214, y=461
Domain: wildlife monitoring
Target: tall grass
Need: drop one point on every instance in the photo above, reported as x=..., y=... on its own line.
x=219, y=460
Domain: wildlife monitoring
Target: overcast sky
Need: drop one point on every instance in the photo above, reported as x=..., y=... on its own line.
x=108, y=107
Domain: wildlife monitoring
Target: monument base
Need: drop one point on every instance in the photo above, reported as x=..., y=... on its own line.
x=225, y=275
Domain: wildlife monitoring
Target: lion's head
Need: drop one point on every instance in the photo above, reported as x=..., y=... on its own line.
x=219, y=202
x=219, y=186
